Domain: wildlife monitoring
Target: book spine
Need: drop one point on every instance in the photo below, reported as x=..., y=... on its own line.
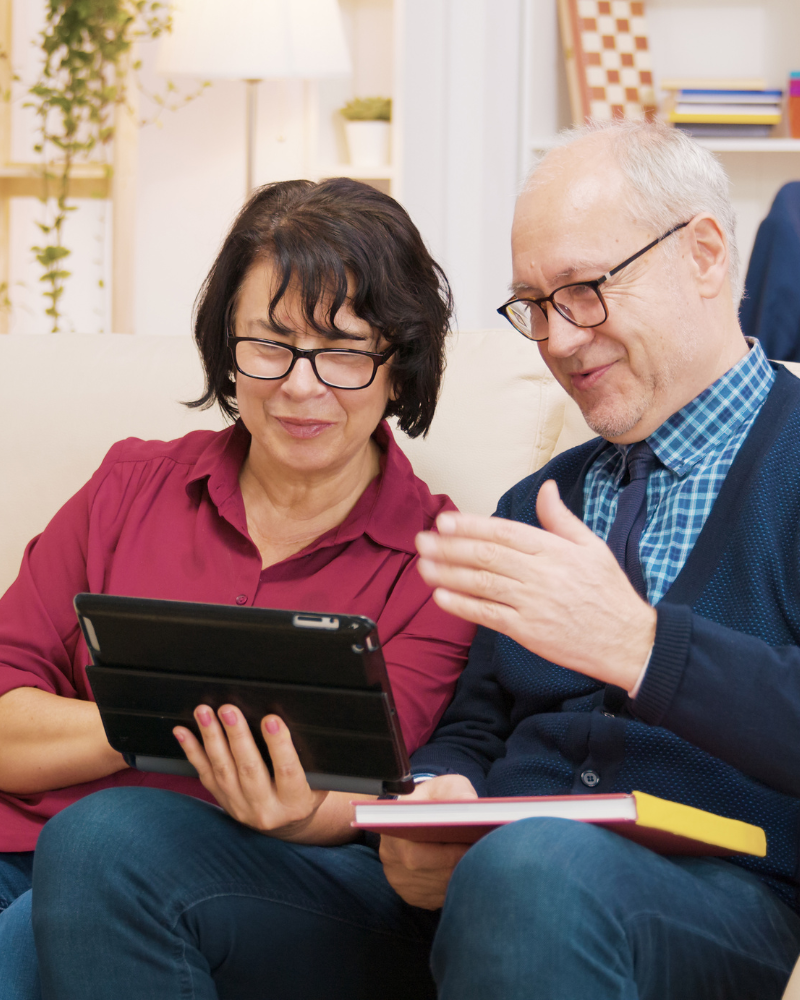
x=794, y=116
x=793, y=105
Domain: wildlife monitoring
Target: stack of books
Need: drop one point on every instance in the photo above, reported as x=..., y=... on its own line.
x=723, y=108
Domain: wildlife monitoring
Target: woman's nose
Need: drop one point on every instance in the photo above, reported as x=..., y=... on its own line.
x=302, y=381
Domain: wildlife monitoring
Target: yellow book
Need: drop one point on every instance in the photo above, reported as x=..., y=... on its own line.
x=700, y=83
x=719, y=118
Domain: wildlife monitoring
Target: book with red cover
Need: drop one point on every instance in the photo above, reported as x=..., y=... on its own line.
x=663, y=826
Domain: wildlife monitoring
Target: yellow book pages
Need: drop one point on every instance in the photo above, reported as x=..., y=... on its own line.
x=686, y=119
x=686, y=821
x=698, y=83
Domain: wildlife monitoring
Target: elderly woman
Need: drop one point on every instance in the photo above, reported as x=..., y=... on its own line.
x=322, y=315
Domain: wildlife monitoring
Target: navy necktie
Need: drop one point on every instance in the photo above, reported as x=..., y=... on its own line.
x=626, y=531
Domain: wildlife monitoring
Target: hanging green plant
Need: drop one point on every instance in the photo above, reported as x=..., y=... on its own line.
x=86, y=46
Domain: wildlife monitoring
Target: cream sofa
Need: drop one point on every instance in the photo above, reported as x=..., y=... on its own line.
x=65, y=399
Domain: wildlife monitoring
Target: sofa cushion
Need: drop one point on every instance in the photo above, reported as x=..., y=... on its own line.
x=501, y=416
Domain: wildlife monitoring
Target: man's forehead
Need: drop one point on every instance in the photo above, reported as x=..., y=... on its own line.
x=572, y=185
x=573, y=216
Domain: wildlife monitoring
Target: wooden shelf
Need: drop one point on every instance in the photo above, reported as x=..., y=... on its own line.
x=24, y=180
x=80, y=171
x=767, y=145
x=726, y=145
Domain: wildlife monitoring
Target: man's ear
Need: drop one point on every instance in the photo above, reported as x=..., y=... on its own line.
x=708, y=248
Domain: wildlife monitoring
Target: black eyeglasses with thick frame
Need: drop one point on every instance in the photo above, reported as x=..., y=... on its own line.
x=517, y=318
x=377, y=358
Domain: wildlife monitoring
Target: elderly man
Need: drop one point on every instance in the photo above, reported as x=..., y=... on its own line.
x=640, y=604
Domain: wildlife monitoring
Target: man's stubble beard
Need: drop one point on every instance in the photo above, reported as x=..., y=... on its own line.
x=623, y=416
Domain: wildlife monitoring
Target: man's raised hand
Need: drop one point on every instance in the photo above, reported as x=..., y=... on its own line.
x=556, y=590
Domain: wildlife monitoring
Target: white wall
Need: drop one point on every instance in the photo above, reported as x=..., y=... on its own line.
x=461, y=86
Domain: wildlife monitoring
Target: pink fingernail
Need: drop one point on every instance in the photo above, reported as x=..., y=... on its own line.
x=179, y=737
x=272, y=725
x=229, y=718
x=204, y=716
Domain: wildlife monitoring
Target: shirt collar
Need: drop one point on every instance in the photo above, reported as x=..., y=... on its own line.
x=704, y=424
x=382, y=512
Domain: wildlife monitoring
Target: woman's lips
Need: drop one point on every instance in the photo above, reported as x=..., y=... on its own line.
x=589, y=379
x=303, y=428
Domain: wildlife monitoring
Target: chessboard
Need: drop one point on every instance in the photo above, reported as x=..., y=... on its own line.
x=609, y=69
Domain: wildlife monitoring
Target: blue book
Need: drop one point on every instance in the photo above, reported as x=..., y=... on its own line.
x=729, y=96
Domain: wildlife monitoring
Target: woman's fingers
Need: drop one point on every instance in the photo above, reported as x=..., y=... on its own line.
x=289, y=776
x=216, y=745
x=231, y=767
x=250, y=767
x=196, y=756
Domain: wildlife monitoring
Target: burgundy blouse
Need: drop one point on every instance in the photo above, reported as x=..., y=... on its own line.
x=166, y=520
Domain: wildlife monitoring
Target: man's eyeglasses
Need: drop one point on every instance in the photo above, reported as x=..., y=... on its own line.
x=335, y=367
x=579, y=303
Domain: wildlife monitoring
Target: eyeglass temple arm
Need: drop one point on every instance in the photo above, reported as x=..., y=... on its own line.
x=636, y=256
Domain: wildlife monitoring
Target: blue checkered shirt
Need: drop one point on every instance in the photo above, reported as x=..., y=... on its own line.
x=696, y=447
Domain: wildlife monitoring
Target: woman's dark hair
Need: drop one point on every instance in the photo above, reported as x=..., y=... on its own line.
x=336, y=241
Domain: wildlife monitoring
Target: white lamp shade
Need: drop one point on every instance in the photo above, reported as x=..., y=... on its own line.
x=255, y=39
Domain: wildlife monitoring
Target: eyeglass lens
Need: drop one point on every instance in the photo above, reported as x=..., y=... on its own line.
x=580, y=304
x=342, y=369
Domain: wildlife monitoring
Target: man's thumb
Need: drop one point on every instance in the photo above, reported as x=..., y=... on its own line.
x=555, y=517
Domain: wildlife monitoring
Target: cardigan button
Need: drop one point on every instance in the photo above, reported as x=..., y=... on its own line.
x=590, y=778
x=241, y=599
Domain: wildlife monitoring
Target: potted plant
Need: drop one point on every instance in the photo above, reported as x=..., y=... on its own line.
x=367, y=128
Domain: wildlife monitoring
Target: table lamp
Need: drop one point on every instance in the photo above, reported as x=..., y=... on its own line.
x=254, y=40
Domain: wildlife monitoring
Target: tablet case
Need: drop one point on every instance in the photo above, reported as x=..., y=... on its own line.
x=154, y=661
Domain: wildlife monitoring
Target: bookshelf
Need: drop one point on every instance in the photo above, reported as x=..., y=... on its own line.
x=758, y=38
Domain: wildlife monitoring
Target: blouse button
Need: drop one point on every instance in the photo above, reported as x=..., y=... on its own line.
x=241, y=599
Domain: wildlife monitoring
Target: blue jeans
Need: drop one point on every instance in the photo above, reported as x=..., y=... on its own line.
x=550, y=909
x=141, y=893
x=19, y=977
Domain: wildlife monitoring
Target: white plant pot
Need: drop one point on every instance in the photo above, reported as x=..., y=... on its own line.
x=368, y=142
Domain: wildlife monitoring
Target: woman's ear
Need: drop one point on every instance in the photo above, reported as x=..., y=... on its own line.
x=709, y=254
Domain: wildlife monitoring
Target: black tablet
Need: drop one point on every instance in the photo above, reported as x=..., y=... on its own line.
x=153, y=662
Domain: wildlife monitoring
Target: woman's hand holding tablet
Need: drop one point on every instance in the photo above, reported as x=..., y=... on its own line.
x=230, y=766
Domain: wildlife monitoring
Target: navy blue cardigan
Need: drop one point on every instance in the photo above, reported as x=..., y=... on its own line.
x=716, y=723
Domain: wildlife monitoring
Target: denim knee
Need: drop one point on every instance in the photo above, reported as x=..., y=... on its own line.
x=19, y=974
x=540, y=856
x=107, y=828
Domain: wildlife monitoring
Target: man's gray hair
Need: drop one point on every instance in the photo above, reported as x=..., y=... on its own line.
x=673, y=178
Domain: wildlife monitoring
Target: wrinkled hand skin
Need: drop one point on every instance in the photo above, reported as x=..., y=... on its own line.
x=420, y=873
x=557, y=590
x=230, y=766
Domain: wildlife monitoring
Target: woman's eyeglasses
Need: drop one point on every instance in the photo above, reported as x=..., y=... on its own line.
x=335, y=367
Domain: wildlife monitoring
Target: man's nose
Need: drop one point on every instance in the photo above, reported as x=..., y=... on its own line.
x=564, y=338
